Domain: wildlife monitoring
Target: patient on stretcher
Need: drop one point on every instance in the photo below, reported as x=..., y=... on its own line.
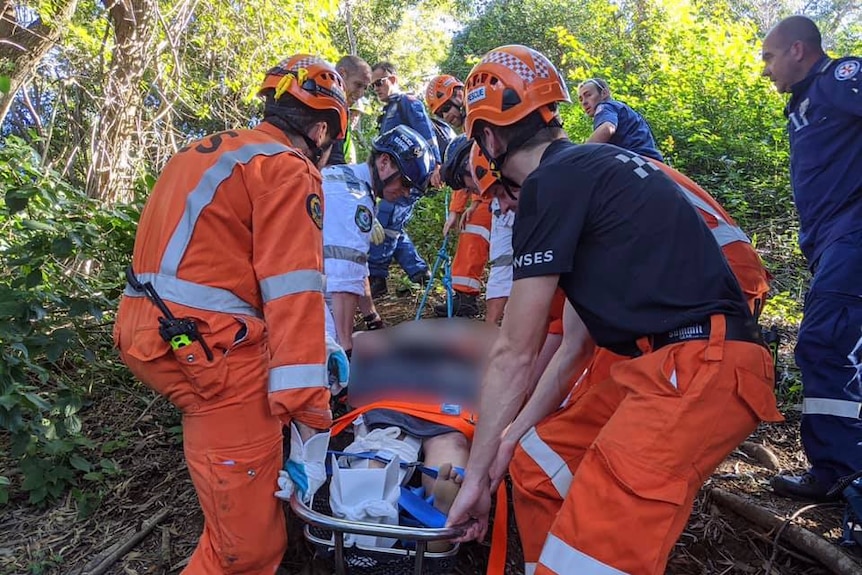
x=413, y=388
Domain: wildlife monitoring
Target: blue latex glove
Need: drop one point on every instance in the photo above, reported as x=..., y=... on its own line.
x=337, y=365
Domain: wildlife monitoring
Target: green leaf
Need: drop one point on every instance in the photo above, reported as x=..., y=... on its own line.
x=5, y=84
x=38, y=226
x=62, y=247
x=94, y=476
x=80, y=463
x=37, y=401
x=5, y=481
x=34, y=278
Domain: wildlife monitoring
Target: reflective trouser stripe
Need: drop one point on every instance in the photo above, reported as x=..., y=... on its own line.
x=501, y=261
x=529, y=568
x=466, y=282
x=548, y=461
x=483, y=233
x=562, y=559
x=345, y=253
x=290, y=283
x=191, y=294
x=836, y=407
x=302, y=376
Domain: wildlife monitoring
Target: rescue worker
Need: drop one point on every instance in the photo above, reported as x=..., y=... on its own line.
x=825, y=126
x=400, y=160
x=539, y=487
x=645, y=278
x=231, y=241
x=468, y=266
x=398, y=109
x=500, y=250
x=614, y=122
x=356, y=74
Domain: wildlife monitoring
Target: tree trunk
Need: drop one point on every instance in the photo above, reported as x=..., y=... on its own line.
x=111, y=176
x=23, y=47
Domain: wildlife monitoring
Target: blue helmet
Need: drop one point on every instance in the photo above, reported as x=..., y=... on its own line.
x=455, y=162
x=411, y=153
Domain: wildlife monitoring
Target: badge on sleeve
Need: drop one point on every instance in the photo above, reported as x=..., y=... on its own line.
x=846, y=70
x=314, y=207
x=363, y=219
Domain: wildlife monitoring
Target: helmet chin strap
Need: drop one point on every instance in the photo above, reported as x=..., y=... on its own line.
x=377, y=183
x=315, y=152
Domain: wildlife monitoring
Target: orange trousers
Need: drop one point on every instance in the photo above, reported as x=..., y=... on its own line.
x=468, y=267
x=606, y=484
x=232, y=444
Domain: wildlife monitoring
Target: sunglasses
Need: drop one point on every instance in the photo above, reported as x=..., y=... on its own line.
x=446, y=107
x=379, y=82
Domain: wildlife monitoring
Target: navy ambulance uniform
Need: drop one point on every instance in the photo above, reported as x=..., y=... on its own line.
x=647, y=277
x=401, y=109
x=632, y=131
x=825, y=125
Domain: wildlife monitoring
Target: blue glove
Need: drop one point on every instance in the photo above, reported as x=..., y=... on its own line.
x=337, y=365
x=305, y=470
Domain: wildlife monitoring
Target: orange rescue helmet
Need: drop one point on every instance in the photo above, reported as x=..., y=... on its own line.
x=480, y=169
x=440, y=90
x=509, y=83
x=311, y=80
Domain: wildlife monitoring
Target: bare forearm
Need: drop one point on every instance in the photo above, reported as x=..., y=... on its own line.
x=602, y=134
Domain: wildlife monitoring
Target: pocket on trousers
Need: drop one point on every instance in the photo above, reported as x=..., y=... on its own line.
x=248, y=522
x=758, y=395
x=208, y=377
x=645, y=482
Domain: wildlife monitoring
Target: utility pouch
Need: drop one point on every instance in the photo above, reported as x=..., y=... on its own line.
x=207, y=376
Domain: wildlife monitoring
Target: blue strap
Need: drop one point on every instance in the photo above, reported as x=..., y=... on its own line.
x=421, y=509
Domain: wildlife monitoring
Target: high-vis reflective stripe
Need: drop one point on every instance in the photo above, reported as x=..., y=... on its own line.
x=501, y=261
x=548, y=460
x=563, y=559
x=202, y=195
x=344, y=253
x=836, y=407
x=724, y=232
x=394, y=234
x=466, y=282
x=529, y=568
x=346, y=175
x=484, y=233
x=302, y=376
x=194, y=295
x=290, y=283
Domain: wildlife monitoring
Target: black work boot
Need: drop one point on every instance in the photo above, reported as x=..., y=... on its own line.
x=421, y=278
x=378, y=286
x=373, y=321
x=463, y=305
x=804, y=487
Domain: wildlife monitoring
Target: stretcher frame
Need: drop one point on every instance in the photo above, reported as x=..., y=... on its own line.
x=420, y=535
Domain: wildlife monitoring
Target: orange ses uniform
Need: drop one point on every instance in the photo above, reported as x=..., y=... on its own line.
x=468, y=266
x=542, y=469
x=231, y=237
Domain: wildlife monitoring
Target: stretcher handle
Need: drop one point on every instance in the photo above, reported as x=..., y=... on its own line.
x=373, y=529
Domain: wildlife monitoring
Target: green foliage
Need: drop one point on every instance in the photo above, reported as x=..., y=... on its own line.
x=60, y=271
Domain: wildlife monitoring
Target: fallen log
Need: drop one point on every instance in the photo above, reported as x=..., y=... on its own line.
x=117, y=551
x=829, y=555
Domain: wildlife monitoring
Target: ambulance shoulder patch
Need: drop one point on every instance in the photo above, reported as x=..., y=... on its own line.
x=363, y=219
x=846, y=70
x=314, y=207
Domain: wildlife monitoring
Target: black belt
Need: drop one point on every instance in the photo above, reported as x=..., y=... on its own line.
x=737, y=329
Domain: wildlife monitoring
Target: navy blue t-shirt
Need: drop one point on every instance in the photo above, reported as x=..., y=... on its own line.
x=632, y=133
x=825, y=125
x=634, y=256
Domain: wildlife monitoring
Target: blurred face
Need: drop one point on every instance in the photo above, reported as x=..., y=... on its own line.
x=383, y=84
x=590, y=97
x=782, y=62
x=355, y=83
x=451, y=110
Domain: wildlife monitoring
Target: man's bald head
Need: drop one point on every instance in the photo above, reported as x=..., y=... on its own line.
x=790, y=50
x=797, y=29
x=356, y=74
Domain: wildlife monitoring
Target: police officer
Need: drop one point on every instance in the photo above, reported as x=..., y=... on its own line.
x=400, y=160
x=398, y=109
x=645, y=278
x=615, y=122
x=825, y=126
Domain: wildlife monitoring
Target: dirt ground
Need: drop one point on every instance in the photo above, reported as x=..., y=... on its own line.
x=154, y=481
